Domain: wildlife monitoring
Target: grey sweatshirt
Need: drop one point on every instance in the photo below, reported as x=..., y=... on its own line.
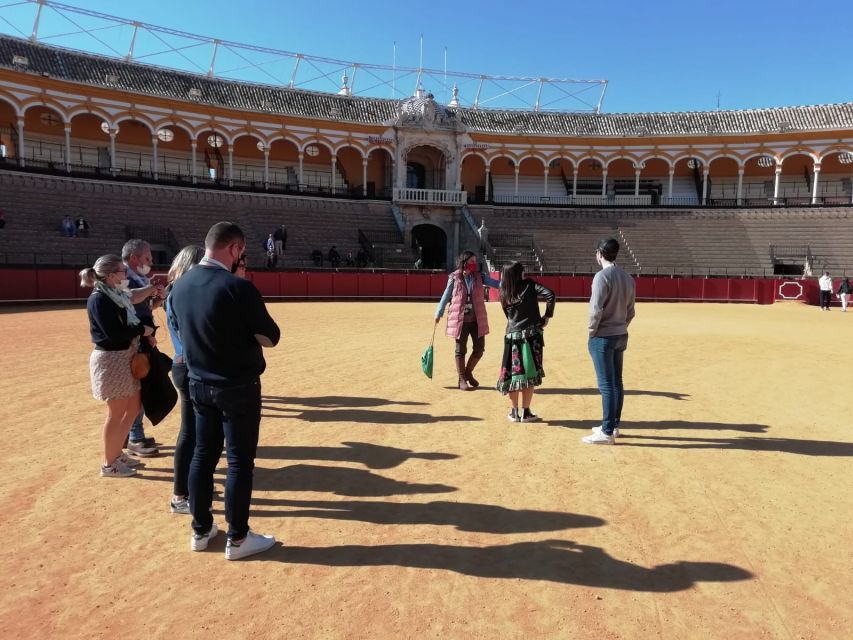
x=611, y=306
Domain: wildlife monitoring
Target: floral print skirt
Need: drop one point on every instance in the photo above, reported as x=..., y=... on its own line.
x=521, y=366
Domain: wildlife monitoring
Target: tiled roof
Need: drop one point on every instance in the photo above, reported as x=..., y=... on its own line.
x=177, y=85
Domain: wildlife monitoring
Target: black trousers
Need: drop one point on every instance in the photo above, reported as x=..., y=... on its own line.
x=185, y=445
x=478, y=341
x=825, y=298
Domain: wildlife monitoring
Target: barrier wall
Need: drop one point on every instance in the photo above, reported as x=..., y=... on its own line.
x=62, y=284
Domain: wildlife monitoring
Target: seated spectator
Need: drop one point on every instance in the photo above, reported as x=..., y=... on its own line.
x=350, y=261
x=68, y=228
x=317, y=257
x=334, y=257
x=82, y=226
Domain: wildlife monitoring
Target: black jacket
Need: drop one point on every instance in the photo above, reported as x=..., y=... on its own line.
x=524, y=314
x=108, y=324
x=845, y=287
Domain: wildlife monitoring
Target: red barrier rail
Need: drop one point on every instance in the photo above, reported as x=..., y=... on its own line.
x=62, y=284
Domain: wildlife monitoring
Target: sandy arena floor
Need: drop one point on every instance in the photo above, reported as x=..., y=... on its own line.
x=407, y=509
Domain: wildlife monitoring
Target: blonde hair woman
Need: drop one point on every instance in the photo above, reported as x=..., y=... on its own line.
x=186, y=259
x=115, y=331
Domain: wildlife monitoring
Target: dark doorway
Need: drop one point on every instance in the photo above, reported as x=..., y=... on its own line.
x=431, y=242
x=415, y=176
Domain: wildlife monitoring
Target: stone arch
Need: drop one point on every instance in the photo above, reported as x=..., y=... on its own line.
x=14, y=104
x=248, y=164
x=657, y=155
x=380, y=167
x=350, y=165
x=474, y=176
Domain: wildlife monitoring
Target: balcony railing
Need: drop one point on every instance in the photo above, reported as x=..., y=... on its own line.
x=431, y=196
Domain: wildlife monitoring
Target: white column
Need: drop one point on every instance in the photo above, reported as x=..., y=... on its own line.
x=194, y=174
x=669, y=187
x=299, y=177
x=575, y=181
x=636, y=183
x=266, y=167
x=68, y=148
x=230, y=166
x=488, y=175
x=334, y=172
x=776, y=181
x=364, y=177
x=705, y=173
x=154, y=169
x=517, y=170
x=21, y=150
x=603, y=182
x=815, y=181
x=739, y=186
x=113, y=134
x=545, y=192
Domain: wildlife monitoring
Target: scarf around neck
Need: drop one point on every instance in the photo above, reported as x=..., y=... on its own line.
x=121, y=298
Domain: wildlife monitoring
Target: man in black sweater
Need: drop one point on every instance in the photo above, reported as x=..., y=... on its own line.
x=223, y=324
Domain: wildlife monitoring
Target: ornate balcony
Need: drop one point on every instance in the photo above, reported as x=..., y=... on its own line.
x=431, y=196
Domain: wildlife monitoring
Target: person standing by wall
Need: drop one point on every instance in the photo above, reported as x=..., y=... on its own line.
x=467, y=315
x=844, y=291
x=223, y=324
x=825, y=284
x=611, y=309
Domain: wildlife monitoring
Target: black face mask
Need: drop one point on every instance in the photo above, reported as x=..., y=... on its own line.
x=236, y=265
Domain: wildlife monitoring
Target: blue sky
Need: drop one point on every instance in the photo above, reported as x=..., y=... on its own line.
x=658, y=55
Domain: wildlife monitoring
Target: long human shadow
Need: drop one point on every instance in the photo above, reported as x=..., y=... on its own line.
x=780, y=445
x=560, y=561
x=463, y=516
x=373, y=456
x=674, y=395
x=369, y=416
x=341, y=481
x=337, y=402
x=628, y=428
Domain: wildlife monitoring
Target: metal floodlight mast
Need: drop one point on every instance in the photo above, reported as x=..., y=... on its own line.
x=533, y=93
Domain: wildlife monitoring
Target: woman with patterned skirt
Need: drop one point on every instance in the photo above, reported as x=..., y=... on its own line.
x=521, y=366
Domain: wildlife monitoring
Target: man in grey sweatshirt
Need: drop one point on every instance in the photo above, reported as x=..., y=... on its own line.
x=611, y=309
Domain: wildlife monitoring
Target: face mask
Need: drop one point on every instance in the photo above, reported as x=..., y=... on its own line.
x=143, y=270
x=124, y=284
x=470, y=268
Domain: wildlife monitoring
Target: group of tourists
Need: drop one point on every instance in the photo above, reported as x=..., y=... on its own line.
x=219, y=325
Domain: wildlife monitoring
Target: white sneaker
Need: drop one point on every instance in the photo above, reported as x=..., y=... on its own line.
x=198, y=542
x=117, y=470
x=139, y=449
x=128, y=461
x=250, y=545
x=598, y=430
x=598, y=438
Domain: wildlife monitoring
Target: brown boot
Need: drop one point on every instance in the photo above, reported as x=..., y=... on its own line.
x=469, y=371
x=460, y=370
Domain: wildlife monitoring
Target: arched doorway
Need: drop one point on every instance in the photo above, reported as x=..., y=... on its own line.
x=426, y=168
x=430, y=242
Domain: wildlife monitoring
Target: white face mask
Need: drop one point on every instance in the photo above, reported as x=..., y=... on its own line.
x=124, y=284
x=143, y=270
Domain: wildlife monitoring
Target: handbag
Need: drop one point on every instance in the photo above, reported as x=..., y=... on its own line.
x=426, y=358
x=140, y=365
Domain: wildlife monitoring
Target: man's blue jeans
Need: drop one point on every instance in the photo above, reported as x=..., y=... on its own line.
x=137, y=431
x=232, y=414
x=607, y=353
